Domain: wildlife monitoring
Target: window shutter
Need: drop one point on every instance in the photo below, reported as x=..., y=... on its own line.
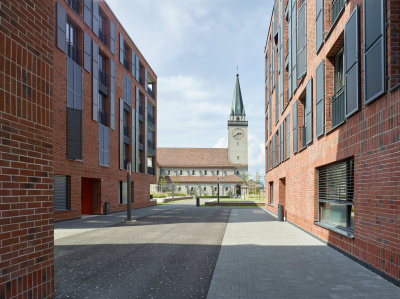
x=70, y=83
x=121, y=48
x=146, y=104
x=87, y=52
x=281, y=91
x=295, y=142
x=319, y=23
x=77, y=87
x=374, y=49
x=320, y=99
x=293, y=43
x=121, y=134
x=60, y=193
x=95, y=66
x=309, y=121
x=61, y=28
x=128, y=90
x=270, y=116
x=133, y=64
x=266, y=121
x=125, y=87
x=87, y=12
x=137, y=129
x=283, y=141
x=133, y=139
x=267, y=150
x=273, y=151
x=145, y=79
x=101, y=144
x=287, y=136
x=96, y=17
x=302, y=41
x=106, y=148
x=350, y=57
x=112, y=95
x=137, y=68
x=112, y=37
x=277, y=102
x=74, y=134
x=289, y=50
x=279, y=145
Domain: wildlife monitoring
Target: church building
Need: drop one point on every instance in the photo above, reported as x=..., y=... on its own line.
x=200, y=170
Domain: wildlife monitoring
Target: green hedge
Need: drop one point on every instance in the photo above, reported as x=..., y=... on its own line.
x=215, y=196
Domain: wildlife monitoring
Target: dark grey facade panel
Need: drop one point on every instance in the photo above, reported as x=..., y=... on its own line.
x=96, y=17
x=70, y=83
x=87, y=12
x=267, y=150
x=277, y=102
x=133, y=64
x=351, y=64
x=270, y=116
x=146, y=79
x=87, y=52
x=302, y=41
x=74, y=134
x=137, y=68
x=375, y=47
x=294, y=124
x=273, y=151
x=309, y=109
x=112, y=37
x=61, y=28
x=101, y=145
x=319, y=23
x=133, y=139
x=95, y=83
x=106, y=148
x=127, y=90
x=281, y=98
x=77, y=87
x=95, y=59
x=289, y=49
x=146, y=121
x=320, y=99
x=293, y=43
x=112, y=94
x=61, y=196
x=287, y=136
x=137, y=127
x=121, y=48
x=121, y=134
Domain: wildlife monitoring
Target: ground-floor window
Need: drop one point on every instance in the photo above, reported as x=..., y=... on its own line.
x=271, y=194
x=61, y=193
x=123, y=192
x=336, y=195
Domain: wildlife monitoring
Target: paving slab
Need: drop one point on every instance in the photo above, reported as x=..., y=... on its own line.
x=263, y=258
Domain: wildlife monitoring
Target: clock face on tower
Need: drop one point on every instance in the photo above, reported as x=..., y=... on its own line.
x=238, y=133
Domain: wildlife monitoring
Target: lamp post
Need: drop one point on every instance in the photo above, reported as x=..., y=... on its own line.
x=218, y=193
x=128, y=182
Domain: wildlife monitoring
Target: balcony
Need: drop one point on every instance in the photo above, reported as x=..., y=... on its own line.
x=150, y=118
x=103, y=77
x=150, y=170
x=150, y=92
x=73, y=52
x=75, y=5
x=126, y=64
x=336, y=8
x=150, y=144
x=338, y=115
x=103, y=117
x=103, y=36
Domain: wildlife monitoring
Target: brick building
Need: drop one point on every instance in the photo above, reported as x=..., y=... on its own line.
x=332, y=125
x=104, y=113
x=77, y=104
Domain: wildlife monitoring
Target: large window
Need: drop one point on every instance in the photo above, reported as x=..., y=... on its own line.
x=271, y=194
x=61, y=193
x=338, y=102
x=336, y=196
x=123, y=192
x=72, y=42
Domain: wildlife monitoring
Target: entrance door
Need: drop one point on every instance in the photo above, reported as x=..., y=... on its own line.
x=86, y=201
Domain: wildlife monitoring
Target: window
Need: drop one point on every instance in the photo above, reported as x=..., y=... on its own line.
x=179, y=189
x=226, y=189
x=102, y=28
x=336, y=196
x=123, y=192
x=338, y=100
x=101, y=99
x=102, y=62
x=126, y=155
x=126, y=57
x=215, y=188
x=193, y=172
x=180, y=172
x=75, y=5
x=72, y=42
x=191, y=188
x=271, y=194
x=238, y=157
x=217, y=172
x=205, y=172
x=205, y=188
x=169, y=172
x=61, y=193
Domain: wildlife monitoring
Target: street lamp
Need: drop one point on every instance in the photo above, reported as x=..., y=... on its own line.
x=218, y=193
x=129, y=191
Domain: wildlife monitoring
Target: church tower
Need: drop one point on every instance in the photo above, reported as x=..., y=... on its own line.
x=237, y=129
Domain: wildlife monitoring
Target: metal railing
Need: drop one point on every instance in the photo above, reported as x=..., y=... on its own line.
x=336, y=9
x=75, y=5
x=103, y=77
x=126, y=64
x=73, y=52
x=150, y=144
x=338, y=114
x=103, y=117
x=103, y=36
x=140, y=139
x=150, y=92
x=150, y=170
x=150, y=118
x=126, y=131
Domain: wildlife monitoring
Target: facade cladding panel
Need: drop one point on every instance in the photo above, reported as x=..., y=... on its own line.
x=366, y=225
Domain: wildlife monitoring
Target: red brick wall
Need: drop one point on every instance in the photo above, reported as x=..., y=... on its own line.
x=26, y=150
x=107, y=178
x=371, y=136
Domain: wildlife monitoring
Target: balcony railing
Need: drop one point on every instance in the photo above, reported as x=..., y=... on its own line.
x=338, y=107
x=75, y=5
x=150, y=144
x=150, y=118
x=103, y=117
x=150, y=170
x=126, y=131
x=336, y=9
x=141, y=110
x=126, y=64
x=103, y=77
x=150, y=92
x=103, y=36
x=140, y=139
x=73, y=52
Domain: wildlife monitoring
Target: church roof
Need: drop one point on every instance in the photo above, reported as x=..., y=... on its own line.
x=237, y=102
x=193, y=157
x=204, y=179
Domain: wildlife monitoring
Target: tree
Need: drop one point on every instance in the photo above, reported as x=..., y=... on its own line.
x=245, y=177
x=258, y=177
x=162, y=182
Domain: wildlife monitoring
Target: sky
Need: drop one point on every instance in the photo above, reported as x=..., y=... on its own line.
x=195, y=48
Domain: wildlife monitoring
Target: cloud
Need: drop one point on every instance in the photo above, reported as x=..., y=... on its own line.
x=222, y=143
x=256, y=153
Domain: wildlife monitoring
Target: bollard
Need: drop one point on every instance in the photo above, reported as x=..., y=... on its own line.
x=197, y=202
x=280, y=212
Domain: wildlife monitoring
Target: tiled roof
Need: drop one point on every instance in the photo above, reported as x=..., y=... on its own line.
x=204, y=179
x=194, y=157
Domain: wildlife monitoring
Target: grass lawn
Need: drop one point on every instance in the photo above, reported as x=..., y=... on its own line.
x=240, y=200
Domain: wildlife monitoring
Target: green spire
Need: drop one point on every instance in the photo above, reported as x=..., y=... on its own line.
x=237, y=102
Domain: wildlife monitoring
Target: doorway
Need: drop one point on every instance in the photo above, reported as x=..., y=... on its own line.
x=87, y=196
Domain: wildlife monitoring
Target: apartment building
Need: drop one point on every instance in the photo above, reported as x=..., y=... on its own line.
x=104, y=113
x=332, y=119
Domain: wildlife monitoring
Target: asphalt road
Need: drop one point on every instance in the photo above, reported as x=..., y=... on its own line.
x=171, y=254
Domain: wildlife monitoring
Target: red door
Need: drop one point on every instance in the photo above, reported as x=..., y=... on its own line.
x=86, y=202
